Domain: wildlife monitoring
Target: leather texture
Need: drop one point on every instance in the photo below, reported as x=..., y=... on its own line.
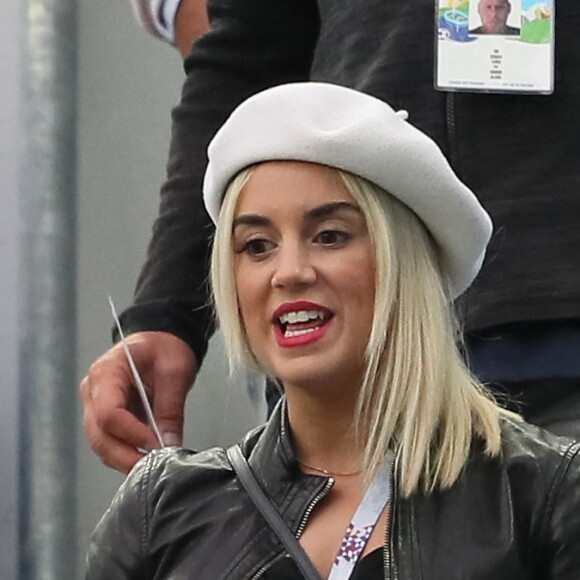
x=182, y=514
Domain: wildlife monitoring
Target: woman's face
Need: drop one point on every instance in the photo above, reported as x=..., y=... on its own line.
x=304, y=272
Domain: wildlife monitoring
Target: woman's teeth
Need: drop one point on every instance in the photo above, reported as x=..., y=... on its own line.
x=290, y=333
x=301, y=316
x=301, y=322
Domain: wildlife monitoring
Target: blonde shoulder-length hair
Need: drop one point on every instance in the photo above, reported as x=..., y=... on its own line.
x=417, y=395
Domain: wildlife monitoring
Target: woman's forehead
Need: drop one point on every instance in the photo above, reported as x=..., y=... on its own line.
x=291, y=185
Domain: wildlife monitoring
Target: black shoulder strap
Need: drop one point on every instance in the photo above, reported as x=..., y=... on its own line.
x=270, y=513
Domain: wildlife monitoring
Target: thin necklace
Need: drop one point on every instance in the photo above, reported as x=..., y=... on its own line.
x=330, y=473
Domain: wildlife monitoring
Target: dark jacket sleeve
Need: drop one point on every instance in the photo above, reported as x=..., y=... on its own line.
x=563, y=521
x=119, y=543
x=252, y=44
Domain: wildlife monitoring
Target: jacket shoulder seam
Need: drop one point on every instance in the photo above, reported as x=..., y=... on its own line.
x=144, y=485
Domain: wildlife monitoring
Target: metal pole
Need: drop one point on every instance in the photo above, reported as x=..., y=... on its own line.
x=47, y=505
x=9, y=287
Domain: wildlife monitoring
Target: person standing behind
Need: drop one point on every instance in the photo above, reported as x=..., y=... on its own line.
x=516, y=152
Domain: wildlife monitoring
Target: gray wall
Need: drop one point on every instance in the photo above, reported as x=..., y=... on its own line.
x=128, y=84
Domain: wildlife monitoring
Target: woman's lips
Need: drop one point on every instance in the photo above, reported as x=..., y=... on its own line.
x=301, y=323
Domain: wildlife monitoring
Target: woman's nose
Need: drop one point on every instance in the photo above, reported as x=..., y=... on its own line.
x=293, y=267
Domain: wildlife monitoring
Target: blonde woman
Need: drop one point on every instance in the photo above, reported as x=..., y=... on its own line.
x=342, y=238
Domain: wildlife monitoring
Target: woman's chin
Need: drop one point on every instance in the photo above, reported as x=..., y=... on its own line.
x=320, y=380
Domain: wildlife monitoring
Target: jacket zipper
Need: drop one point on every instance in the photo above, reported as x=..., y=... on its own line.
x=388, y=545
x=268, y=565
x=320, y=495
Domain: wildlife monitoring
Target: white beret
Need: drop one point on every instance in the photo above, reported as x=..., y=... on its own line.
x=347, y=129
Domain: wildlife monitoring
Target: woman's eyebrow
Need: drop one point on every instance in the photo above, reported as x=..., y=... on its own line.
x=320, y=212
x=328, y=209
x=250, y=219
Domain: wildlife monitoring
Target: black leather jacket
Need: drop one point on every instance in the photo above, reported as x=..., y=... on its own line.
x=182, y=515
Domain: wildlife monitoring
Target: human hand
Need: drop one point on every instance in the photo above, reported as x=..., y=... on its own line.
x=114, y=419
x=191, y=22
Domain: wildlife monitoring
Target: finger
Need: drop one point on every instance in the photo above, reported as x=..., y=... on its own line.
x=168, y=403
x=123, y=426
x=172, y=376
x=109, y=405
x=84, y=391
x=113, y=453
x=168, y=409
x=109, y=402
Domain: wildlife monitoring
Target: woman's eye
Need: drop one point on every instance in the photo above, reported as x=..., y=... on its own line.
x=257, y=247
x=332, y=237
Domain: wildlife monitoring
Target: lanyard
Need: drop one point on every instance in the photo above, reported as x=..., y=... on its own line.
x=363, y=522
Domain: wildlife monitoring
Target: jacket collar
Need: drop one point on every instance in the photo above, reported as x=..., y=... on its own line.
x=272, y=459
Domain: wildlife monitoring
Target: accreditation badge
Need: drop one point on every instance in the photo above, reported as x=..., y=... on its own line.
x=499, y=46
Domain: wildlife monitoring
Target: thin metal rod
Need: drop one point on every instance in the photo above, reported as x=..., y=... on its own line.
x=47, y=505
